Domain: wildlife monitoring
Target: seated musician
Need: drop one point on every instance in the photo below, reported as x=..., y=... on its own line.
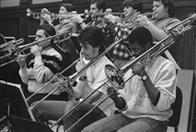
x=97, y=10
x=38, y=68
x=148, y=94
x=131, y=8
x=65, y=28
x=63, y=25
x=96, y=7
x=91, y=41
x=163, y=12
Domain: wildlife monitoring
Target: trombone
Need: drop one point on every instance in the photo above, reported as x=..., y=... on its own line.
x=14, y=50
x=54, y=16
x=38, y=15
x=70, y=81
x=144, y=58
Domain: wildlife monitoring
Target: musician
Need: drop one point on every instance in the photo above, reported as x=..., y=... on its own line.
x=96, y=7
x=164, y=12
x=148, y=95
x=44, y=63
x=99, y=19
x=92, y=41
x=131, y=9
x=65, y=27
x=65, y=13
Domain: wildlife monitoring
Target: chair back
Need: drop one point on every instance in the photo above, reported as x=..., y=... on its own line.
x=176, y=107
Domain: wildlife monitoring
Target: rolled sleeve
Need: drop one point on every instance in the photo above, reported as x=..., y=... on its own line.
x=167, y=87
x=23, y=75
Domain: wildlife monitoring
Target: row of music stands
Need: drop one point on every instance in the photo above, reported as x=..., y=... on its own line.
x=14, y=113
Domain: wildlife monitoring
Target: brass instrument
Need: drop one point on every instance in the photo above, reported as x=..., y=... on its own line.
x=54, y=16
x=15, y=47
x=10, y=43
x=8, y=50
x=71, y=80
x=154, y=51
x=144, y=58
x=107, y=13
x=129, y=22
x=38, y=15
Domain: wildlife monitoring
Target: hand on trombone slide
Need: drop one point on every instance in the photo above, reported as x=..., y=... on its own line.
x=80, y=64
x=21, y=59
x=138, y=69
x=36, y=50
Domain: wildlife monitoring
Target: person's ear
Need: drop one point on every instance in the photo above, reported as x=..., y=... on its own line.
x=148, y=45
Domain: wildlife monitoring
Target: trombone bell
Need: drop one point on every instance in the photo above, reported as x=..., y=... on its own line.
x=114, y=76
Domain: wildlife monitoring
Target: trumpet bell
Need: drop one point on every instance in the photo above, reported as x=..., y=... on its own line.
x=114, y=77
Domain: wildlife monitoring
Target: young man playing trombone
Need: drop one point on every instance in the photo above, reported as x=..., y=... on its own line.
x=92, y=45
x=131, y=8
x=148, y=94
x=43, y=63
x=163, y=12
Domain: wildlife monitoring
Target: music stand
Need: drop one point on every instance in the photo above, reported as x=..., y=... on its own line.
x=15, y=109
x=24, y=125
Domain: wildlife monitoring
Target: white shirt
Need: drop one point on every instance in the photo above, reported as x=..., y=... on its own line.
x=162, y=73
x=95, y=78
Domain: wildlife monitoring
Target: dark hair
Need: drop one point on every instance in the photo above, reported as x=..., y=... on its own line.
x=69, y=7
x=140, y=35
x=49, y=30
x=170, y=5
x=100, y=4
x=93, y=36
x=135, y=4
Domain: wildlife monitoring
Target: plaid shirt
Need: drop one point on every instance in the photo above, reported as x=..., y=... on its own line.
x=121, y=51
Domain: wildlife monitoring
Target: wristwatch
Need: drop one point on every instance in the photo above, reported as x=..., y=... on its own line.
x=144, y=77
x=83, y=78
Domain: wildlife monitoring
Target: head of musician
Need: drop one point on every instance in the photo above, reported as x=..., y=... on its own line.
x=131, y=6
x=65, y=8
x=138, y=45
x=163, y=9
x=44, y=31
x=97, y=6
x=92, y=42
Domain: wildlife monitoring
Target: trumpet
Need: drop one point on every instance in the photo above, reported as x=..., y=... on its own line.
x=38, y=15
x=54, y=16
x=129, y=22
